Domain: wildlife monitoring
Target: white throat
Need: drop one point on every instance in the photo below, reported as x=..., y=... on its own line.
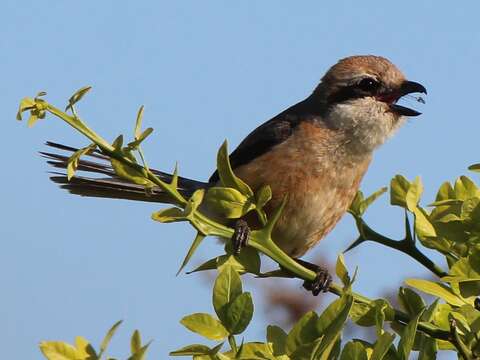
x=365, y=123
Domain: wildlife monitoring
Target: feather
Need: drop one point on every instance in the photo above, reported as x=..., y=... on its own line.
x=111, y=186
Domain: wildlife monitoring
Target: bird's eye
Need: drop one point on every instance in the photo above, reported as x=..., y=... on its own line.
x=368, y=84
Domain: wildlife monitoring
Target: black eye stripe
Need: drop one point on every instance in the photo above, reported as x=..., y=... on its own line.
x=365, y=87
x=344, y=94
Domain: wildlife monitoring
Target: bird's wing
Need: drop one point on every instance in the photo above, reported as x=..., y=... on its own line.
x=271, y=133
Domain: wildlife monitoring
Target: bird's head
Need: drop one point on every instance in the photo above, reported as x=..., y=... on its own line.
x=360, y=95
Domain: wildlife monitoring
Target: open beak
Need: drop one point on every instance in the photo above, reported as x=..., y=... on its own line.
x=408, y=87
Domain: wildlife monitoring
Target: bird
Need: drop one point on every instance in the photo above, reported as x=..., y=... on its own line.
x=316, y=152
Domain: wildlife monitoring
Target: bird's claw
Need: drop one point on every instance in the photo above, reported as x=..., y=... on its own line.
x=322, y=281
x=240, y=236
x=320, y=284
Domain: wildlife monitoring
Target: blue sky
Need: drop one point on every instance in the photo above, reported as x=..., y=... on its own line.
x=205, y=71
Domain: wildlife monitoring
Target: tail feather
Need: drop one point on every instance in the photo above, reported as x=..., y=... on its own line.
x=112, y=186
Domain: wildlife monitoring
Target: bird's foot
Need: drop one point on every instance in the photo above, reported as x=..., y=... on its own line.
x=322, y=281
x=240, y=236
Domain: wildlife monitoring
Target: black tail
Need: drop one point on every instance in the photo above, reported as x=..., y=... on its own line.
x=111, y=186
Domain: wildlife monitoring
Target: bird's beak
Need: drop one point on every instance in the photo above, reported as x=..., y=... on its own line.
x=406, y=88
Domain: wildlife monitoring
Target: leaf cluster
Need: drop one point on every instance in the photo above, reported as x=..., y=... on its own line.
x=84, y=350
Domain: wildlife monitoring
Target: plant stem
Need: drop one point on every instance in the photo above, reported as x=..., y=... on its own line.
x=458, y=343
x=233, y=343
x=406, y=246
x=271, y=249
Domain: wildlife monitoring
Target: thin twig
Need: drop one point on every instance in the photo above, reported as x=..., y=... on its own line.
x=406, y=246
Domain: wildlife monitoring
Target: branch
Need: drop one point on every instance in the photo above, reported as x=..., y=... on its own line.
x=407, y=245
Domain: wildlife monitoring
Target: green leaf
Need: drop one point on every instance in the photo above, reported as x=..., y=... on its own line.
x=474, y=167
x=248, y=261
x=445, y=192
x=108, y=337
x=207, y=265
x=84, y=349
x=168, y=215
x=25, y=105
x=141, y=353
x=129, y=173
x=446, y=202
x=430, y=311
x=436, y=289
x=174, y=182
x=32, y=120
x=35, y=106
x=195, y=244
x=252, y=351
x=423, y=226
x=77, y=96
x=331, y=322
x=356, y=206
x=133, y=145
x=226, y=175
x=414, y=192
x=411, y=301
x=277, y=337
x=469, y=209
x=382, y=345
x=369, y=200
x=341, y=270
x=72, y=162
x=398, y=191
x=58, y=350
x=360, y=204
x=380, y=318
x=228, y=202
x=428, y=350
x=239, y=314
x=306, y=351
x=194, y=349
x=440, y=317
x=135, y=342
x=138, y=123
x=368, y=314
x=465, y=273
x=263, y=196
x=194, y=202
x=145, y=134
x=227, y=287
x=205, y=325
x=118, y=143
x=465, y=188
x=216, y=349
x=303, y=332
x=354, y=350
x=406, y=341
x=460, y=321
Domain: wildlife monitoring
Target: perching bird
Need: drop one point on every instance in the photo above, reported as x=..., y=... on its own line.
x=316, y=151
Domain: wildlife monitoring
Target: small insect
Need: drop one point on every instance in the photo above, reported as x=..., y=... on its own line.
x=416, y=98
x=420, y=99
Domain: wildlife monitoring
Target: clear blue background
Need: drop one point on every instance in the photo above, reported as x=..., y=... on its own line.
x=205, y=71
